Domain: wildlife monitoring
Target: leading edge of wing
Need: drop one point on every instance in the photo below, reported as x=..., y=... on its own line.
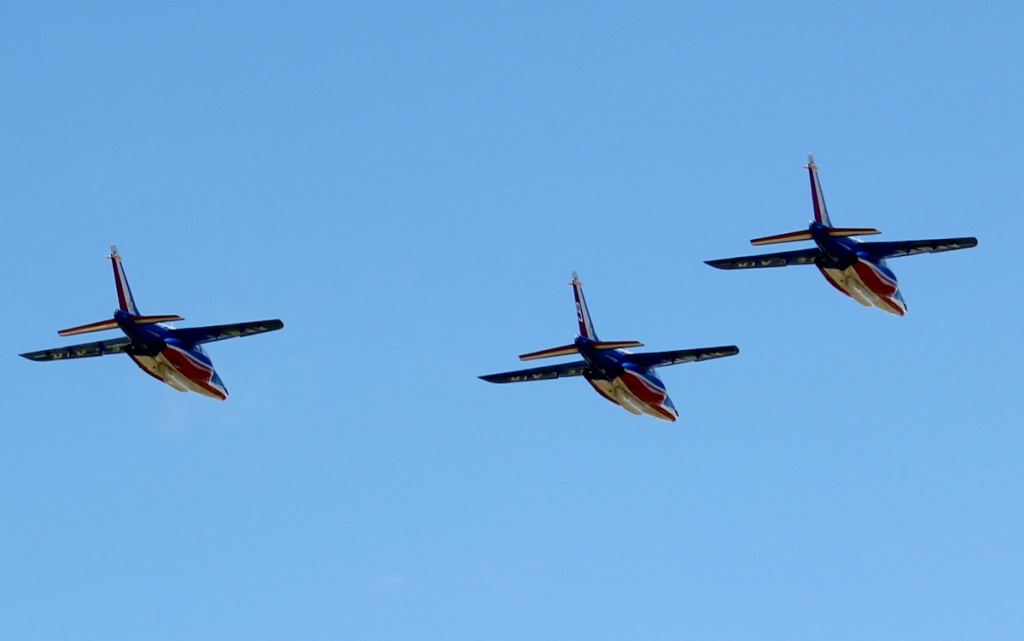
x=85, y=350
x=778, y=259
x=895, y=249
x=576, y=368
x=677, y=356
x=211, y=333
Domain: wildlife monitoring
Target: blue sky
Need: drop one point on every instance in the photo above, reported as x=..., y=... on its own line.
x=408, y=187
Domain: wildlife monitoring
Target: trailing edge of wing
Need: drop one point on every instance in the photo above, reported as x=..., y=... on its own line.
x=910, y=247
x=86, y=350
x=780, y=259
x=539, y=373
x=210, y=333
x=675, y=357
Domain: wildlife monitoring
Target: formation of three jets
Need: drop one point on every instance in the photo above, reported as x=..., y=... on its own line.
x=856, y=268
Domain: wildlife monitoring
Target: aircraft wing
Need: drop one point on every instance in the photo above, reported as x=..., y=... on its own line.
x=911, y=247
x=210, y=333
x=778, y=259
x=576, y=368
x=85, y=350
x=674, y=357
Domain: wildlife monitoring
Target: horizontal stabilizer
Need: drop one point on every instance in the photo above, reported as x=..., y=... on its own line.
x=565, y=350
x=211, y=333
x=113, y=346
x=562, y=350
x=788, y=237
x=616, y=344
x=98, y=326
x=794, y=236
x=852, y=231
x=166, y=318
x=781, y=259
x=539, y=373
x=674, y=357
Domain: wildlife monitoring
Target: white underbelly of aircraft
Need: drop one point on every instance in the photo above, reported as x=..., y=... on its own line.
x=848, y=280
x=159, y=367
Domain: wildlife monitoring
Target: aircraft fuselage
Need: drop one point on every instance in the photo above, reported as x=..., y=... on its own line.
x=856, y=272
x=158, y=353
x=637, y=389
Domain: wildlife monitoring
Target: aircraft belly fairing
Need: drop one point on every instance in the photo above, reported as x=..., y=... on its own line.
x=851, y=282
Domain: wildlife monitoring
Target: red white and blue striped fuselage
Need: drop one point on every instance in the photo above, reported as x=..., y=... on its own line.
x=637, y=389
x=856, y=272
x=186, y=368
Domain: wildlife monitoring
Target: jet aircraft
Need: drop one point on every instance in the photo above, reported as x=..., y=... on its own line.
x=618, y=375
x=174, y=356
x=856, y=268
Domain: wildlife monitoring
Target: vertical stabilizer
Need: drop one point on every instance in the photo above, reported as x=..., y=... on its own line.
x=125, y=301
x=820, y=212
x=582, y=314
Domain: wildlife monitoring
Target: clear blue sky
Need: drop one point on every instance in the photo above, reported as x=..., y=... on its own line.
x=408, y=187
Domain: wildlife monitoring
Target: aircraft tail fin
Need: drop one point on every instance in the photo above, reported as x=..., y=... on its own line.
x=125, y=300
x=125, y=303
x=565, y=350
x=817, y=197
x=586, y=330
x=582, y=313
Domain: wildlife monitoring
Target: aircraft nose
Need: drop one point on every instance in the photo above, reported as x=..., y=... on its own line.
x=670, y=410
x=219, y=386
